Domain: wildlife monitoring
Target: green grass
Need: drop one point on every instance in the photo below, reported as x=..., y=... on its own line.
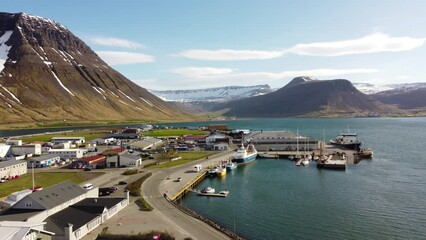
x=44, y=179
x=187, y=157
x=87, y=134
x=174, y=132
x=134, y=188
x=143, y=204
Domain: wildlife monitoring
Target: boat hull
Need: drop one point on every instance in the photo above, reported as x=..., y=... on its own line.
x=350, y=146
x=245, y=160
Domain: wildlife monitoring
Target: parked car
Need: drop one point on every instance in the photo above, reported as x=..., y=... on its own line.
x=178, y=179
x=88, y=186
x=122, y=183
x=87, y=169
x=113, y=189
x=156, y=236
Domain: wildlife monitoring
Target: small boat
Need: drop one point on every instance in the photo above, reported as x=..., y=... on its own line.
x=213, y=171
x=267, y=155
x=231, y=166
x=224, y=192
x=291, y=157
x=221, y=172
x=316, y=158
x=208, y=190
x=305, y=162
x=299, y=162
x=366, y=153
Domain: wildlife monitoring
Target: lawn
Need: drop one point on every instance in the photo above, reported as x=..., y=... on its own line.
x=174, y=132
x=44, y=179
x=87, y=134
x=186, y=158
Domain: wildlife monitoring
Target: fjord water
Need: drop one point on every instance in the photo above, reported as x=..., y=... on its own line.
x=381, y=198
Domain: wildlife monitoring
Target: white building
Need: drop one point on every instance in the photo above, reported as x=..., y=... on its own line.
x=73, y=140
x=126, y=159
x=102, y=141
x=44, y=161
x=70, y=212
x=220, y=146
x=13, y=142
x=14, y=230
x=68, y=153
x=12, y=168
x=216, y=137
x=4, y=150
x=34, y=149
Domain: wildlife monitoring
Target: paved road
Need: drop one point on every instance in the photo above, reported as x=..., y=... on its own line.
x=186, y=226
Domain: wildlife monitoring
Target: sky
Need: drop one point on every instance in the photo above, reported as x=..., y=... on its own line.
x=168, y=45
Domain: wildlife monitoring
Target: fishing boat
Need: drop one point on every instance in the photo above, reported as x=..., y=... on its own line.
x=221, y=172
x=231, y=166
x=213, y=171
x=348, y=140
x=245, y=155
x=208, y=190
x=366, y=153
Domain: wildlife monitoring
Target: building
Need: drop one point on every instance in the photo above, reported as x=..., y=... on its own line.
x=27, y=149
x=190, y=139
x=91, y=161
x=14, y=198
x=126, y=160
x=145, y=144
x=13, y=142
x=103, y=141
x=281, y=141
x=12, y=168
x=44, y=161
x=124, y=136
x=132, y=130
x=66, y=154
x=215, y=138
x=12, y=230
x=4, y=150
x=69, y=211
x=220, y=146
x=73, y=140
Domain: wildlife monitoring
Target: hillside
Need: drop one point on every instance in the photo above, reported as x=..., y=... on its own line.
x=307, y=97
x=414, y=98
x=49, y=74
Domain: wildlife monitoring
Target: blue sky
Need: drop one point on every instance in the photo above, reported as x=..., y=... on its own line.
x=198, y=44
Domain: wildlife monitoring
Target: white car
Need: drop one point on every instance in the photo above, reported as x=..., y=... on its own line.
x=88, y=186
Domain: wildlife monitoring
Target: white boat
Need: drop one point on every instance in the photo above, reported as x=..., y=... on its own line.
x=231, y=166
x=305, y=162
x=213, y=171
x=224, y=192
x=208, y=190
x=245, y=155
x=267, y=155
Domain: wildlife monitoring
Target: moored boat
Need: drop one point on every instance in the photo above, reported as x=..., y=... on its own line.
x=366, y=153
x=208, y=190
x=267, y=155
x=221, y=172
x=213, y=171
x=231, y=166
x=348, y=140
x=305, y=162
x=245, y=155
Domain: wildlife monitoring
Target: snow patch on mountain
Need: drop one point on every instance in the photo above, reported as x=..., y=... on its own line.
x=369, y=88
x=4, y=49
x=212, y=94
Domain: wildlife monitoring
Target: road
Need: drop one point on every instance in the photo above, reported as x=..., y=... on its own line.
x=186, y=226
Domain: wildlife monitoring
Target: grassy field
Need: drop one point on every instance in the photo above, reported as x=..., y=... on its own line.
x=174, y=132
x=186, y=158
x=87, y=134
x=44, y=179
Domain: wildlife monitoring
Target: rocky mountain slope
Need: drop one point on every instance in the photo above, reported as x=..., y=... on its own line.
x=308, y=97
x=48, y=74
x=406, y=97
x=212, y=94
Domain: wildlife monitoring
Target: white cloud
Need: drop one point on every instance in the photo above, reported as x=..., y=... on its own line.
x=116, y=42
x=373, y=43
x=122, y=58
x=229, y=54
x=201, y=71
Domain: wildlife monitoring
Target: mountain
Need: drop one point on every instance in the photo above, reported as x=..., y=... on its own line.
x=368, y=88
x=212, y=94
x=49, y=74
x=308, y=97
x=406, y=96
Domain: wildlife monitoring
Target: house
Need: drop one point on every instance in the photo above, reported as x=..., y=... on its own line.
x=145, y=143
x=70, y=212
x=66, y=154
x=14, y=198
x=103, y=141
x=216, y=137
x=220, y=146
x=132, y=130
x=73, y=140
x=4, y=151
x=13, y=142
x=91, y=161
x=43, y=161
x=33, y=149
x=126, y=159
x=10, y=169
x=13, y=230
x=194, y=139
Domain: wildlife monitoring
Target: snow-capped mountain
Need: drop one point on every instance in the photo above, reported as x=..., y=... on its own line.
x=370, y=89
x=212, y=94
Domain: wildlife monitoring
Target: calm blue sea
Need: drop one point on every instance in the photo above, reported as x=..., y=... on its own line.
x=381, y=198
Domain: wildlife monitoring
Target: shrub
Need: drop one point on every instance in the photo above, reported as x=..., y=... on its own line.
x=134, y=188
x=130, y=172
x=143, y=204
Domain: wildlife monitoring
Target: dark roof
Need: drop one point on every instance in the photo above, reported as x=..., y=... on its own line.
x=79, y=214
x=18, y=214
x=59, y=220
x=11, y=163
x=56, y=194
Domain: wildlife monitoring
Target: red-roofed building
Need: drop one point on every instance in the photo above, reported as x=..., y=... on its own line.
x=91, y=161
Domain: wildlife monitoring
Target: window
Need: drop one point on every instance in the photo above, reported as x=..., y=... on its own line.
x=28, y=204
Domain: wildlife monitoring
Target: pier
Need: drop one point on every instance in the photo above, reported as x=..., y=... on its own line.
x=189, y=186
